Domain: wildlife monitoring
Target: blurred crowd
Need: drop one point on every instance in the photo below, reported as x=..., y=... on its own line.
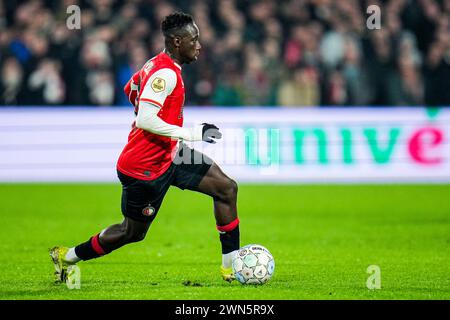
x=263, y=52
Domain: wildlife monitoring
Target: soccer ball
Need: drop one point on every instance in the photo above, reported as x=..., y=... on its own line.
x=253, y=264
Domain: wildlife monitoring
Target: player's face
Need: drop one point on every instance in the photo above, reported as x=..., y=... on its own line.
x=190, y=45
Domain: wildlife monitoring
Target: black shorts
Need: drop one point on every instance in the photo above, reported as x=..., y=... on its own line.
x=141, y=199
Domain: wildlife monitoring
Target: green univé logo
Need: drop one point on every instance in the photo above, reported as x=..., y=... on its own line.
x=273, y=146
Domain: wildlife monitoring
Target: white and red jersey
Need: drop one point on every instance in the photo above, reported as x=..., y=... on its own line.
x=147, y=155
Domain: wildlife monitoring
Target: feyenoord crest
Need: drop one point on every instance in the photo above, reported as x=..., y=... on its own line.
x=148, y=211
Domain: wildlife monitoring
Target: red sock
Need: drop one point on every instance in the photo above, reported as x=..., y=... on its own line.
x=229, y=236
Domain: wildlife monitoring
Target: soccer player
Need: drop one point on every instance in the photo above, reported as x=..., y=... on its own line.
x=156, y=158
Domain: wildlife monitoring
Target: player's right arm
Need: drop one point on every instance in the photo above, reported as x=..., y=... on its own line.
x=131, y=89
x=158, y=88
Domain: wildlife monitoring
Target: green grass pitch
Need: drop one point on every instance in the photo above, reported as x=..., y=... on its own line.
x=323, y=239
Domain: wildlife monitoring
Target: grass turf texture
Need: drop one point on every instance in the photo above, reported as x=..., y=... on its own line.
x=323, y=239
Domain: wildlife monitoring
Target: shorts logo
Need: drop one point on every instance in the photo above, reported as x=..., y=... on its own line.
x=158, y=84
x=148, y=211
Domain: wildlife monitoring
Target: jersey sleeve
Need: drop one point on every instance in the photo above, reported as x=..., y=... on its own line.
x=131, y=89
x=159, y=86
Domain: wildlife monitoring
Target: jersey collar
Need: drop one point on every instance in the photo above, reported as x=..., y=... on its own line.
x=176, y=64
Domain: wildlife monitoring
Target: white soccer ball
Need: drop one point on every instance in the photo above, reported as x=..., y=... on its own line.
x=253, y=264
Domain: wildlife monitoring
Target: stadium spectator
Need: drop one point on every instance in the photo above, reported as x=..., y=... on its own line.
x=302, y=89
x=45, y=84
x=11, y=84
x=249, y=49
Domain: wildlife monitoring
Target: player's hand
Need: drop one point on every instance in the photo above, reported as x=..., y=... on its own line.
x=210, y=132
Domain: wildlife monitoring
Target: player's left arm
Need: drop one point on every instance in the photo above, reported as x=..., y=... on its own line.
x=147, y=119
x=159, y=86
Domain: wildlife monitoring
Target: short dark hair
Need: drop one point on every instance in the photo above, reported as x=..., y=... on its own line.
x=175, y=21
